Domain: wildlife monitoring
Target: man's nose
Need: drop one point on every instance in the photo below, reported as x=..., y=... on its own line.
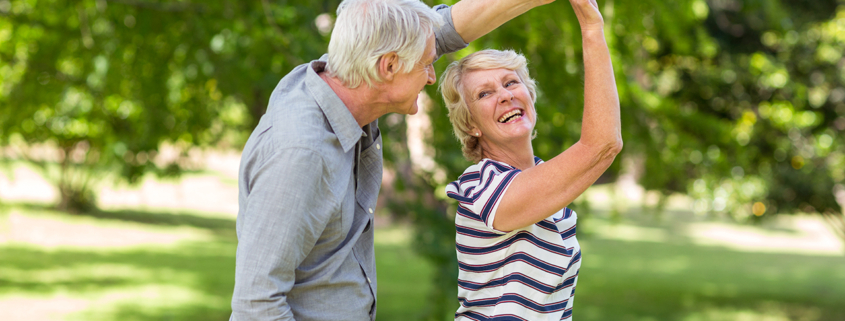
x=432, y=76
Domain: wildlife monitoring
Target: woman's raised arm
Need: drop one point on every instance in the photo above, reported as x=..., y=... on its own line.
x=542, y=190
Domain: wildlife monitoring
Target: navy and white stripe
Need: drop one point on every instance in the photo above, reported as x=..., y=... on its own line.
x=525, y=274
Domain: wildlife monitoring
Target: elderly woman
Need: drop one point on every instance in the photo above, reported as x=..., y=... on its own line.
x=517, y=251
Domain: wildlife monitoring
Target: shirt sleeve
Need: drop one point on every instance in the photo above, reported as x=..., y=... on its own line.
x=480, y=202
x=446, y=37
x=286, y=212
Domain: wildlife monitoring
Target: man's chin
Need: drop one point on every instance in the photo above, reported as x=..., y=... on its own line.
x=412, y=110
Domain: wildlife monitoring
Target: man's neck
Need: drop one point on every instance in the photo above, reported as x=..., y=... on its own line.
x=364, y=102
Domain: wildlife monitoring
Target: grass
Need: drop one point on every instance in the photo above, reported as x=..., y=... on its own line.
x=624, y=280
x=191, y=277
x=403, y=282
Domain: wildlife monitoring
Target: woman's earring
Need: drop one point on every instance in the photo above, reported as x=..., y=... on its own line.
x=476, y=134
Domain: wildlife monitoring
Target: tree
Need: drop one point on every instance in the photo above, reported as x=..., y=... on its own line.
x=108, y=82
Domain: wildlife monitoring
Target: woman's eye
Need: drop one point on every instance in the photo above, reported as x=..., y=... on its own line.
x=512, y=82
x=482, y=94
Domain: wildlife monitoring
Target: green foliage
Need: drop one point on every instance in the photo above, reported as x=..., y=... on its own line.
x=108, y=82
x=736, y=102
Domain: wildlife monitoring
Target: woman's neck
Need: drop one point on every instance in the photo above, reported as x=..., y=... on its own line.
x=520, y=156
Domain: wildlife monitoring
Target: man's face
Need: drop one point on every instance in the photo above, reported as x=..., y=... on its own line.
x=407, y=86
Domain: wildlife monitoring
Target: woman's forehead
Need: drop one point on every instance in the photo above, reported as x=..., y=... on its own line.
x=478, y=77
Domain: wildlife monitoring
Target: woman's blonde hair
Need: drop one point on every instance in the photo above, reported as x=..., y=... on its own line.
x=451, y=87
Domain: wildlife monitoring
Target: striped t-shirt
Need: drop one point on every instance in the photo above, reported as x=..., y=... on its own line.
x=525, y=274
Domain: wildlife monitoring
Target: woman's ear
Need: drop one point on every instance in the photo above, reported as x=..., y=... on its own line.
x=473, y=131
x=388, y=66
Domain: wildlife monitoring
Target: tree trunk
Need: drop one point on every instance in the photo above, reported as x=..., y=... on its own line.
x=75, y=196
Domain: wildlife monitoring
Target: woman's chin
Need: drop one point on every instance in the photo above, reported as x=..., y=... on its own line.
x=518, y=130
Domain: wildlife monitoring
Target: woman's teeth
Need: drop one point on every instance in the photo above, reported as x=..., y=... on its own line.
x=506, y=117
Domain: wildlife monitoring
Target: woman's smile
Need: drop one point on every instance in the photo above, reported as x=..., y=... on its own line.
x=511, y=116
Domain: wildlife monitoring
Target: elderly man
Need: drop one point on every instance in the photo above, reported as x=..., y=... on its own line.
x=311, y=170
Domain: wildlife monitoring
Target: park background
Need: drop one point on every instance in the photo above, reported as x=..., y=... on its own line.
x=121, y=124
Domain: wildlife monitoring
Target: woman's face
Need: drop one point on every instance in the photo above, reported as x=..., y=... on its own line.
x=501, y=106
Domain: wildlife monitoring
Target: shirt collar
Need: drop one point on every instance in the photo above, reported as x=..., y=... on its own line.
x=340, y=119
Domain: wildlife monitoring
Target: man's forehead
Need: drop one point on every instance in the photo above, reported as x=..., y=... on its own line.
x=431, y=55
x=431, y=49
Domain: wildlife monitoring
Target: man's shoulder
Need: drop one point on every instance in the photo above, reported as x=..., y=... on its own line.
x=296, y=119
x=300, y=125
x=298, y=74
x=294, y=116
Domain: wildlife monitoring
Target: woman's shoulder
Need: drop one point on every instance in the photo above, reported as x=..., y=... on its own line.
x=478, y=174
x=470, y=175
x=484, y=167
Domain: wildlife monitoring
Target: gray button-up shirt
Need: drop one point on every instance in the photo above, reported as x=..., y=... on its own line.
x=308, y=183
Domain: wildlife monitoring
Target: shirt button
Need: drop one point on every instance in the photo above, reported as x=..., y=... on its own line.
x=368, y=280
x=378, y=146
x=371, y=210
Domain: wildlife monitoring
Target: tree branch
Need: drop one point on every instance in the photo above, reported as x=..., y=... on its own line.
x=265, y=5
x=166, y=7
x=837, y=222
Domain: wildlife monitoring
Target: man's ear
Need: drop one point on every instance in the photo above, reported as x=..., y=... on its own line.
x=388, y=66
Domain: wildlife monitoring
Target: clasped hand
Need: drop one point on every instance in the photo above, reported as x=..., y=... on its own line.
x=587, y=12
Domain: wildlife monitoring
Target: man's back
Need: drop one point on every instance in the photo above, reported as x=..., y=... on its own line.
x=300, y=209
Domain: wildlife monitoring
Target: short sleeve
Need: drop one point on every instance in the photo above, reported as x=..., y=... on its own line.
x=479, y=193
x=446, y=37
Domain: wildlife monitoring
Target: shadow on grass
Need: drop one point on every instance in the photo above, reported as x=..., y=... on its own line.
x=219, y=226
x=193, y=312
x=627, y=280
x=619, y=280
x=85, y=283
x=200, y=275
x=676, y=223
x=209, y=266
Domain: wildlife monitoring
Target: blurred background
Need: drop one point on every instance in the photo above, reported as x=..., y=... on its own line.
x=122, y=122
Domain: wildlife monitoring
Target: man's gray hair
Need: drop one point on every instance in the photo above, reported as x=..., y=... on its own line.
x=367, y=29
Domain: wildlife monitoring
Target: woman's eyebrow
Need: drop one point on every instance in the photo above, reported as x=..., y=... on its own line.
x=479, y=89
x=482, y=86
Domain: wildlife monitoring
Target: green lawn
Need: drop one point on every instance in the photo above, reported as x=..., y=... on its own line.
x=657, y=281
x=191, y=278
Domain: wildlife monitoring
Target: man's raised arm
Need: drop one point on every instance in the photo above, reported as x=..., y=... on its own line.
x=475, y=18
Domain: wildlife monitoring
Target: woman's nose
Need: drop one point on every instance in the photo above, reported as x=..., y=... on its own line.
x=505, y=96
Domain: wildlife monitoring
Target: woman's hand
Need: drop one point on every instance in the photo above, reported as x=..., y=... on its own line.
x=542, y=190
x=588, y=14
